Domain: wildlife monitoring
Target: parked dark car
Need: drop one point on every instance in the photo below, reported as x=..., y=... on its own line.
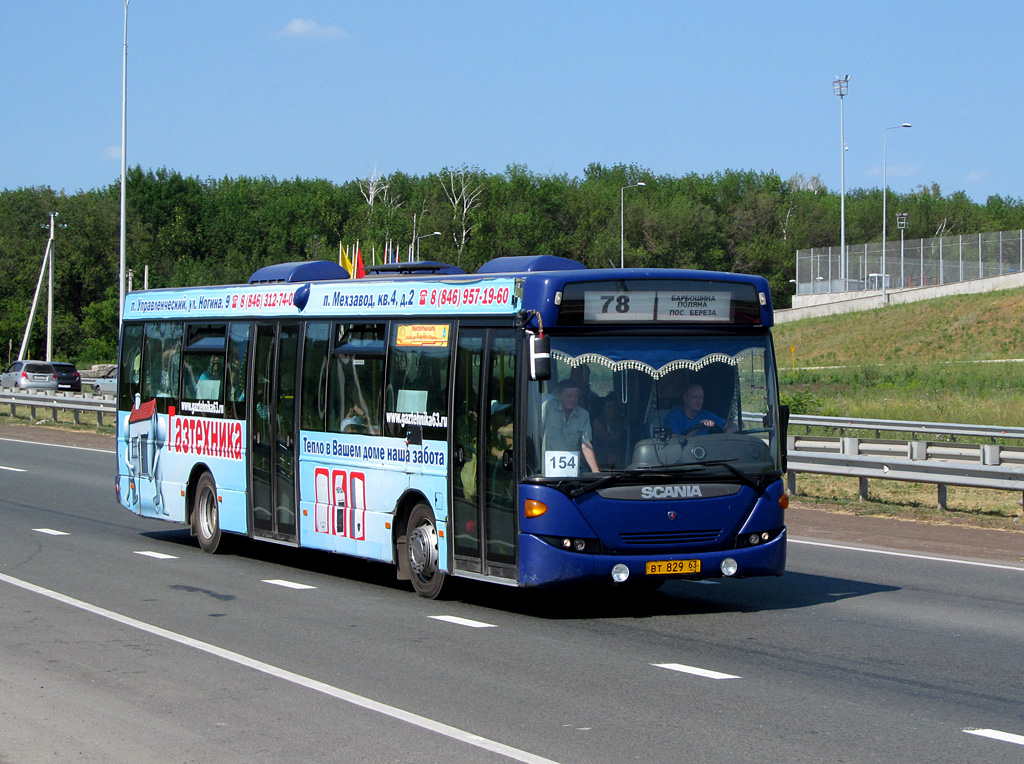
x=29, y=375
x=68, y=377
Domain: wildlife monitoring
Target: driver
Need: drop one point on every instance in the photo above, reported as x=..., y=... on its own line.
x=693, y=416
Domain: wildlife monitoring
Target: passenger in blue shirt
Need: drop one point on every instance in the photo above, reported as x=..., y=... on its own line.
x=692, y=414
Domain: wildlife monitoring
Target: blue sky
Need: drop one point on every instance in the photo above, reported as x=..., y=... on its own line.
x=340, y=90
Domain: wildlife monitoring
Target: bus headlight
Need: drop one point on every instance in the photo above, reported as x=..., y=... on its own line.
x=729, y=567
x=620, y=573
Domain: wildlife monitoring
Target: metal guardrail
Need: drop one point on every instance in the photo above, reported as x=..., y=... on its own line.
x=54, y=403
x=842, y=424
x=979, y=465
x=992, y=465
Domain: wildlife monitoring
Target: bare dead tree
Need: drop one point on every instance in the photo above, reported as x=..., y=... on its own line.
x=464, y=196
x=374, y=189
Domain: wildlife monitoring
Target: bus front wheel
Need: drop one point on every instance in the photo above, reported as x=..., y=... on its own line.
x=206, y=514
x=427, y=577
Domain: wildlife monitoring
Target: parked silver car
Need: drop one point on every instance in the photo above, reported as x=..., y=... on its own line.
x=106, y=384
x=29, y=375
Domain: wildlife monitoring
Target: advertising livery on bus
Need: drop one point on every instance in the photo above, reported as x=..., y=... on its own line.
x=536, y=423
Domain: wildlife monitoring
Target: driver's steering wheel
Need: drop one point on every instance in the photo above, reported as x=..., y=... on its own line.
x=712, y=430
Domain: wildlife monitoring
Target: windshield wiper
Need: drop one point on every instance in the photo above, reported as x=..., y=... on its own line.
x=675, y=468
x=593, y=485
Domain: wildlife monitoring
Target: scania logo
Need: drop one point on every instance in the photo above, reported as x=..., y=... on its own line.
x=671, y=515
x=671, y=492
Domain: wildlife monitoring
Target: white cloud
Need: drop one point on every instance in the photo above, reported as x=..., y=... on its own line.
x=303, y=28
x=112, y=152
x=976, y=176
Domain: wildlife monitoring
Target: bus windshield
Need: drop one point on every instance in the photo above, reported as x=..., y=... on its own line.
x=698, y=407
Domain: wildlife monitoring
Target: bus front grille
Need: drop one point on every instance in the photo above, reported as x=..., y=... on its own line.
x=663, y=538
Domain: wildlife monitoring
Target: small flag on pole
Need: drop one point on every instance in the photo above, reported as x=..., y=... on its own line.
x=346, y=263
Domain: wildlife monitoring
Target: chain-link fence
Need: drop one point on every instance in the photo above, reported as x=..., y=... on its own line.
x=909, y=262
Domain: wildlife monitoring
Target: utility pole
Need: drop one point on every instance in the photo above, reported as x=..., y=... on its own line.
x=47, y=265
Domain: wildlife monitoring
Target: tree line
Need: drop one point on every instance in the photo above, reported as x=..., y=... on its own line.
x=218, y=231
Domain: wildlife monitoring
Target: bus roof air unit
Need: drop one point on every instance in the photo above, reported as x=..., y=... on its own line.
x=530, y=264
x=304, y=270
x=427, y=268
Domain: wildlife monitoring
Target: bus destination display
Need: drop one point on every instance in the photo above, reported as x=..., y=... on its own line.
x=682, y=305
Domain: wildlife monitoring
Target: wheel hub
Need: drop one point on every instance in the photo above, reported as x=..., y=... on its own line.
x=423, y=551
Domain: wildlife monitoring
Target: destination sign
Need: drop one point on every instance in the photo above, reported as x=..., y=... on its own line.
x=683, y=305
x=675, y=301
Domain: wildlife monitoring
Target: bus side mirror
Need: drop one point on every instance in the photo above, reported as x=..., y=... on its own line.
x=540, y=358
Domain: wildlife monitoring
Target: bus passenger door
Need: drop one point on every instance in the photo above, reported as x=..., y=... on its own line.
x=483, y=488
x=272, y=432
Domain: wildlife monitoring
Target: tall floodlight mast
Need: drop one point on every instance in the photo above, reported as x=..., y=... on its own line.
x=840, y=87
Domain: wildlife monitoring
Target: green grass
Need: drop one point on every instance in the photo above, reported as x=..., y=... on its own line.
x=929, y=362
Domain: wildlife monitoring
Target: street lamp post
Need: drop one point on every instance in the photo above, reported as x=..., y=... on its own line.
x=840, y=86
x=622, y=222
x=421, y=238
x=901, y=223
x=124, y=167
x=885, y=134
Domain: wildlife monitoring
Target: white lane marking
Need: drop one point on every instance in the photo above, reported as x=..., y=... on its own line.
x=929, y=558
x=50, y=532
x=335, y=692
x=694, y=670
x=286, y=584
x=158, y=555
x=1006, y=737
x=59, y=445
x=463, y=621
x=10, y=469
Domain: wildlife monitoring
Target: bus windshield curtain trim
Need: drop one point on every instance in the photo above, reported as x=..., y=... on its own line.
x=634, y=365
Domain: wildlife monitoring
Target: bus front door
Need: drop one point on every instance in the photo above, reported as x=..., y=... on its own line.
x=483, y=489
x=272, y=432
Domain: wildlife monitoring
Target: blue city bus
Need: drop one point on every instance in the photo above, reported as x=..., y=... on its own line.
x=536, y=423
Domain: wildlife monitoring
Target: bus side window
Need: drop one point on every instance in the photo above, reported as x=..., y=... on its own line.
x=161, y=363
x=417, y=389
x=238, y=365
x=356, y=381
x=314, y=376
x=131, y=366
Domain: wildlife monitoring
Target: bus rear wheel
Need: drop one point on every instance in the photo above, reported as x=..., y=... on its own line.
x=427, y=577
x=206, y=514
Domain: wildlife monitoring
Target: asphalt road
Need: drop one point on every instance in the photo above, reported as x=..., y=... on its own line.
x=120, y=641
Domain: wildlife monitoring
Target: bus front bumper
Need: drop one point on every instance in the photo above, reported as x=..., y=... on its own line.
x=541, y=564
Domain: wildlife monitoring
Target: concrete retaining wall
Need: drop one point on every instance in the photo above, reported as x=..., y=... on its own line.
x=815, y=305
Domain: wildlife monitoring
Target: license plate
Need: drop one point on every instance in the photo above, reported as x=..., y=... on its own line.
x=670, y=567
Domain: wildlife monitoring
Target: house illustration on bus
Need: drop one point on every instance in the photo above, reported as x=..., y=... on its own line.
x=144, y=435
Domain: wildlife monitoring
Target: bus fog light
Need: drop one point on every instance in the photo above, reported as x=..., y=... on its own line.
x=729, y=567
x=753, y=539
x=620, y=573
x=579, y=545
x=765, y=536
x=567, y=543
